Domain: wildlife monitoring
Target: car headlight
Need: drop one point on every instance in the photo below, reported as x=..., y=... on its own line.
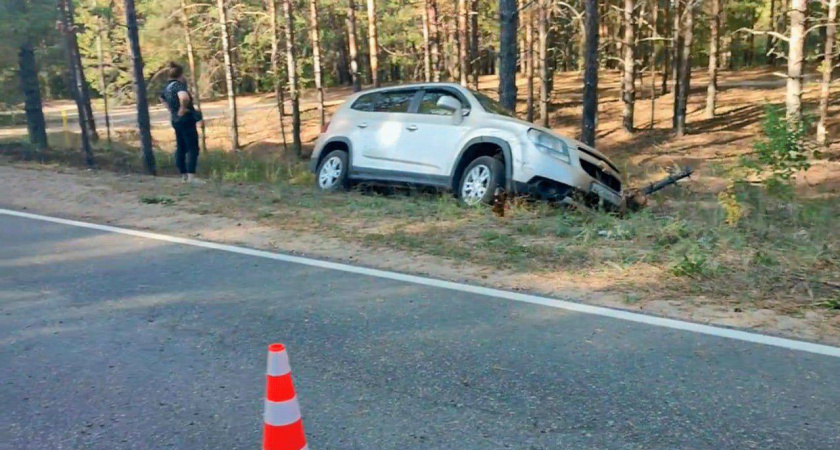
x=550, y=145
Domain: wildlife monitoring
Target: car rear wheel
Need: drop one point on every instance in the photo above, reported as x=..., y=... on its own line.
x=332, y=172
x=480, y=180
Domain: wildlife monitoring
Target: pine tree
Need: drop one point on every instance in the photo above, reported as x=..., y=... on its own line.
x=291, y=68
x=714, y=49
x=508, y=24
x=590, y=76
x=143, y=122
x=353, y=45
x=315, y=32
x=229, y=74
x=827, y=65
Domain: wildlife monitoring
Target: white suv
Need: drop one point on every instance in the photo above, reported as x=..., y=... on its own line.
x=444, y=135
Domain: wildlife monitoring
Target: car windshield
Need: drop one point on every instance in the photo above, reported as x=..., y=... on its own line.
x=492, y=106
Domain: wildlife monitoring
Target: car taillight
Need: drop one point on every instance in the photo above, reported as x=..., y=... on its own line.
x=325, y=126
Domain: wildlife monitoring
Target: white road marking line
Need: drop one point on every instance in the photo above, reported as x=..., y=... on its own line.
x=729, y=333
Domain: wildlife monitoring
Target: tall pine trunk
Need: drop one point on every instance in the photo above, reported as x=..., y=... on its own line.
x=463, y=43
x=828, y=63
x=669, y=43
x=29, y=84
x=143, y=122
x=103, y=84
x=684, y=85
x=508, y=24
x=676, y=55
x=291, y=68
x=275, y=70
x=229, y=75
x=353, y=46
x=434, y=38
x=373, y=43
x=427, y=52
x=771, y=40
x=193, y=72
x=590, y=75
x=76, y=78
x=316, y=57
x=81, y=83
x=796, y=56
x=529, y=63
x=629, y=65
x=714, y=49
x=654, y=46
x=474, y=51
x=545, y=82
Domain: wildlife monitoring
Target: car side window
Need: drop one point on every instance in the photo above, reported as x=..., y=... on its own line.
x=397, y=101
x=428, y=105
x=366, y=102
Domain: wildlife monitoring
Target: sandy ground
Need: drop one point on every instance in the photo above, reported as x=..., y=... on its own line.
x=105, y=197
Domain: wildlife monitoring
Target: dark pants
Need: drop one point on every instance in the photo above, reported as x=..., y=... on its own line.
x=186, y=151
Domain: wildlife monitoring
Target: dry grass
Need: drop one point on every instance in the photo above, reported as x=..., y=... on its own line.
x=781, y=254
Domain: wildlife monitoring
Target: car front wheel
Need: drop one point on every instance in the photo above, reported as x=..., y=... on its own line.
x=480, y=180
x=332, y=172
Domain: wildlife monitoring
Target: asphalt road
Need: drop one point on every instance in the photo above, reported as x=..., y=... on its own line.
x=114, y=342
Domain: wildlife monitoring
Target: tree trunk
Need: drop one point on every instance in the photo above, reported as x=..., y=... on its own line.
x=291, y=69
x=474, y=51
x=828, y=63
x=275, y=70
x=528, y=17
x=434, y=38
x=463, y=43
x=143, y=122
x=373, y=43
x=316, y=58
x=427, y=55
x=590, y=76
x=508, y=23
x=353, y=46
x=629, y=80
x=544, y=66
x=676, y=55
x=654, y=45
x=769, y=50
x=76, y=78
x=81, y=82
x=103, y=84
x=714, y=49
x=229, y=75
x=666, y=52
x=796, y=54
x=193, y=73
x=29, y=84
x=684, y=85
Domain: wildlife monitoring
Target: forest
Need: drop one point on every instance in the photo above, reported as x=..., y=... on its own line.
x=116, y=50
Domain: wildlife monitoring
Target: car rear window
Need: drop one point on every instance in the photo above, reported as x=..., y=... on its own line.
x=365, y=102
x=397, y=101
x=393, y=101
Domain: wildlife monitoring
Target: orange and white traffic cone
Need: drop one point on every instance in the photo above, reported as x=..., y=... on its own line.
x=283, y=426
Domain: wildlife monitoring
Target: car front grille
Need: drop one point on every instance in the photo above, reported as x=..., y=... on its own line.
x=599, y=174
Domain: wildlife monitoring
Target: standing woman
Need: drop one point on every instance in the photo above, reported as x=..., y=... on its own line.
x=184, y=119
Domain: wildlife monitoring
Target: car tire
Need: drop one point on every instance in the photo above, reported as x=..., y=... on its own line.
x=480, y=179
x=332, y=171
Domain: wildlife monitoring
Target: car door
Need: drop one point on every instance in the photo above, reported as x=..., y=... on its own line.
x=431, y=134
x=378, y=125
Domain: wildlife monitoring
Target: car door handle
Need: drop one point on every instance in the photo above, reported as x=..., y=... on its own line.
x=411, y=128
x=362, y=125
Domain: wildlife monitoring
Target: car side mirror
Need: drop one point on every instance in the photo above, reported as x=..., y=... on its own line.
x=448, y=103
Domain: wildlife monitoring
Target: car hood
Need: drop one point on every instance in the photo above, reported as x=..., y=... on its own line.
x=570, y=141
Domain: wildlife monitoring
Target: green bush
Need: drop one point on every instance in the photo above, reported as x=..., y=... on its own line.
x=784, y=150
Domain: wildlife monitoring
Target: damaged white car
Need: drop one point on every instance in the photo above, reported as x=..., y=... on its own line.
x=447, y=136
